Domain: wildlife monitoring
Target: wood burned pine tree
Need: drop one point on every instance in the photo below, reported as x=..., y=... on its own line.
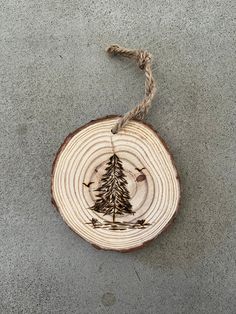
x=113, y=197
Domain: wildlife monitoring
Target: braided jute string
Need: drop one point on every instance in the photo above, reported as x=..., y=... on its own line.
x=143, y=59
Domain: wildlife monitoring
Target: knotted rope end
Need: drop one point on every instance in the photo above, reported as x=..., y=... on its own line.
x=112, y=49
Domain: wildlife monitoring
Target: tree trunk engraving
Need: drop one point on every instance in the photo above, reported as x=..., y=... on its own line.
x=113, y=198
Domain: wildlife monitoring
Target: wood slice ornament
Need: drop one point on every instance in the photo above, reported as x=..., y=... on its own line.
x=113, y=180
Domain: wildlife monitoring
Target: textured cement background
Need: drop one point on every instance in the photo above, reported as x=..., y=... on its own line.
x=55, y=77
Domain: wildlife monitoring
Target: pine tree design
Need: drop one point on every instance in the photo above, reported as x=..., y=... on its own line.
x=113, y=197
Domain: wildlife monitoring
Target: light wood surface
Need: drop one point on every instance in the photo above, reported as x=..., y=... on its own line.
x=117, y=191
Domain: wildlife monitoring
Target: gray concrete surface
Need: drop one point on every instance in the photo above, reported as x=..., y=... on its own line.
x=55, y=77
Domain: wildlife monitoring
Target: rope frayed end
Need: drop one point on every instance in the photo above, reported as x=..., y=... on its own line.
x=112, y=49
x=142, y=57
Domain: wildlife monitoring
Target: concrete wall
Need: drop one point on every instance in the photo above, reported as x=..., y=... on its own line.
x=55, y=77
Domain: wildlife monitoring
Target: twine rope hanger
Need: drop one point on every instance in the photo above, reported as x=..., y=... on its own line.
x=143, y=59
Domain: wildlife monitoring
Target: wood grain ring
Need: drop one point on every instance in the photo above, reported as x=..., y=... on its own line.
x=150, y=183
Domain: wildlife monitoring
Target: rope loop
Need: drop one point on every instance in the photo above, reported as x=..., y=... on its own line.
x=143, y=59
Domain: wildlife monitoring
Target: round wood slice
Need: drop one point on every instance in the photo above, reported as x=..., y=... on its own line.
x=117, y=191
